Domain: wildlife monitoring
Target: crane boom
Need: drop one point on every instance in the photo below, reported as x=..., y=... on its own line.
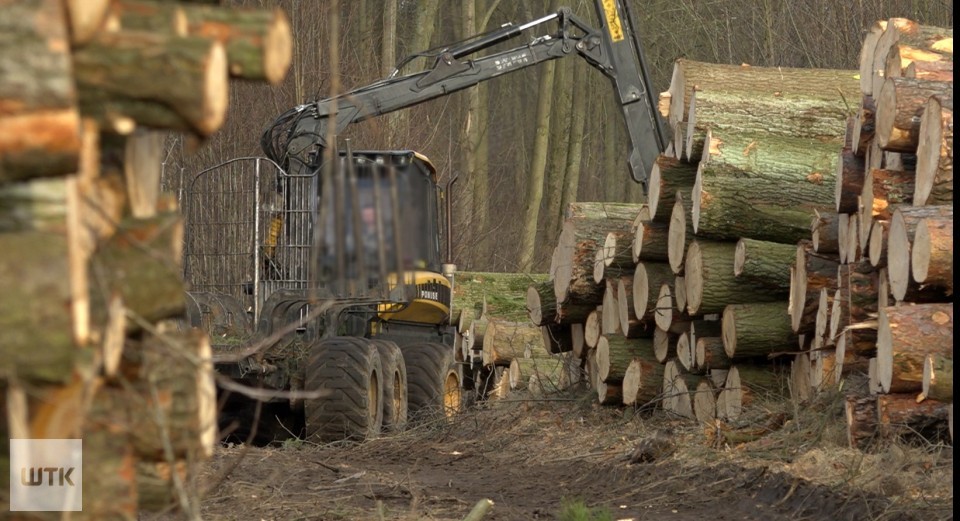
x=298, y=137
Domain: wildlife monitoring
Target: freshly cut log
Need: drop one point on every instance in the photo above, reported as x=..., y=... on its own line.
x=541, y=303
x=662, y=342
x=847, y=362
x=584, y=230
x=858, y=299
x=800, y=388
x=743, y=384
x=705, y=402
x=506, y=341
x=877, y=249
x=843, y=230
x=138, y=15
x=258, y=41
x=685, y=354
x=177, y=83
x=609, y=394
x=825, y=232
x=823, y=366
x=822, y=320
x=642, y=380
x=864, y=127
x=753, y=330
x=650, y=241
x=884, y=190
x=671, y=396
x=710, y=281
x=630, y=325
x=709, y=354
x=614, y=354
x=591, y=328
x=39, y=122
x=903, y=226
x=938, y=377
x=615, y=257
x=682, y=402
x=907, y=32
x=648, y=279
x=861, y=414
x=849, y=181
x=931, y=256
x=610, y=318
x=173, y=376
x=899, y=107
x=867, y=52
x=788, y=105
x=667, y=177
x=680, y=293
x=788, y=184
x=467, y=316
x=812, y=272
x=853, y=247
x=764, y=264
x=899, y=415
x=941, y=70
x=557, y=338
x=905, y=336
x=681, y=232
x=110, y=492
x=86, y=18
x=578, y=341
x=934, y=182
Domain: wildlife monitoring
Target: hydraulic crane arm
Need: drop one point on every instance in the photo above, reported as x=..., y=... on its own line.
x=297, y=138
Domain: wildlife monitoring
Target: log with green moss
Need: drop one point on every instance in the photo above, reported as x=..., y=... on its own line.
x=505, y=293
x=614, y=354
x=650, y=241
x=710, y=282
x=764, y=264
x=754, y=330
x=668, y=176
x=583, y=233
x=642, y=380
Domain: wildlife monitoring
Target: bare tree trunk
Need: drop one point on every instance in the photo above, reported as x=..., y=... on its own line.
x=559, y=148
x=578, y=122
x=388, y=60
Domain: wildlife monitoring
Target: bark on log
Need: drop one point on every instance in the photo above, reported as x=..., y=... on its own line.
x=743, y=384
x=630, y=325
x=931, y=71
x=934, y=178
x=753, y=330
x=900, y=416
x=899, y=108
x=867, y=51
x=910, y=33
x=584, y=230
x=800, y=389
x=858, y=287
x=541, y=303
x=764, y=264
x=864, y=127
x=650, y=241
x=506, y=341
x=811, y=273
x=884, y=189
x=176, y=83
x=667, y=177
x=110, y=492
x=557, y=338
x=681, y=232
x=782, y=198
x=905, y=336
x=615, y=257
x=710, y=281
x=173, y=376
x=705, y=402
x=931, y=256
x=861, y=414
x=938, y=377
x=614, y=354
x=642, y=379
x=147, y=16
x=39, y=122
x=825, y=232
x=648, y=278
x=849, y=181
x=258, y=41
x=709, y=354
x=903, y=227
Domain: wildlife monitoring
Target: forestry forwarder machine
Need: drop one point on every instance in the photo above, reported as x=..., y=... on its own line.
x=317, y=270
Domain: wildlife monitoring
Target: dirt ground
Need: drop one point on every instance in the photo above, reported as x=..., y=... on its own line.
x=533, y=457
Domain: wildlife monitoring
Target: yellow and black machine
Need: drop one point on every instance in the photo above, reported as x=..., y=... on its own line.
x=318, y=268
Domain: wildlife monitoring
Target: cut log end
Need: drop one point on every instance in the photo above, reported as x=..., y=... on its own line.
x=664, y=314
x=277, y=48
x=677, y=235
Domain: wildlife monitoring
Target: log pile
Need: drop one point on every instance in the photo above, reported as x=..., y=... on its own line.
x=753, y=268
x=91, y=250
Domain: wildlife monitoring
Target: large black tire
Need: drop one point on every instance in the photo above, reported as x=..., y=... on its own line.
x=394, y=385
x=433, y=379
x=349, y=368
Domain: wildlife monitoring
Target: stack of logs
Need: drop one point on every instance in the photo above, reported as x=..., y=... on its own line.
x=90, y=250
x=719, y=289
x=494, y=338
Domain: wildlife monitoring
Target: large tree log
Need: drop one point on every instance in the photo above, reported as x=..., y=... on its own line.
x=877, y=248
x=753, y=330
x=258, y=41
x=938, y=377
x=648, y=278
x=849, y=181
x=110, y=491
x=856, y=301
x=541, y=303
x=710, y=354
x=584, y=230
x=681, y=232
x=615, y=257
x=610, y=318
x=800, y=389
x=941, y=70
x=591, y=327
x=764, y=264
x=147, y=16
x=685, y=354
x=650, y=241
x=506, y=341
x=903, y=226
x=667, y=177
x=705, y=402
x=908, y=32
x=864, y=127
x=176, y=83
x=905, y=336
x=781, y=197
x=900, y=416
x=825, y=232
x=884, y=190
x=899, y=108
x=934, y=181
x=630, y=325
x=867, y=51
x=39, y=122
x=614, y=354
x=642, y=379
x=931, y=256
x=710, y=281
x=557, y=338
x=811, y=273
x=174, y=379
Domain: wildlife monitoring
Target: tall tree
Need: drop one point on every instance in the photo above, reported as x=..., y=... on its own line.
x=578, y=120
x=559, y=146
